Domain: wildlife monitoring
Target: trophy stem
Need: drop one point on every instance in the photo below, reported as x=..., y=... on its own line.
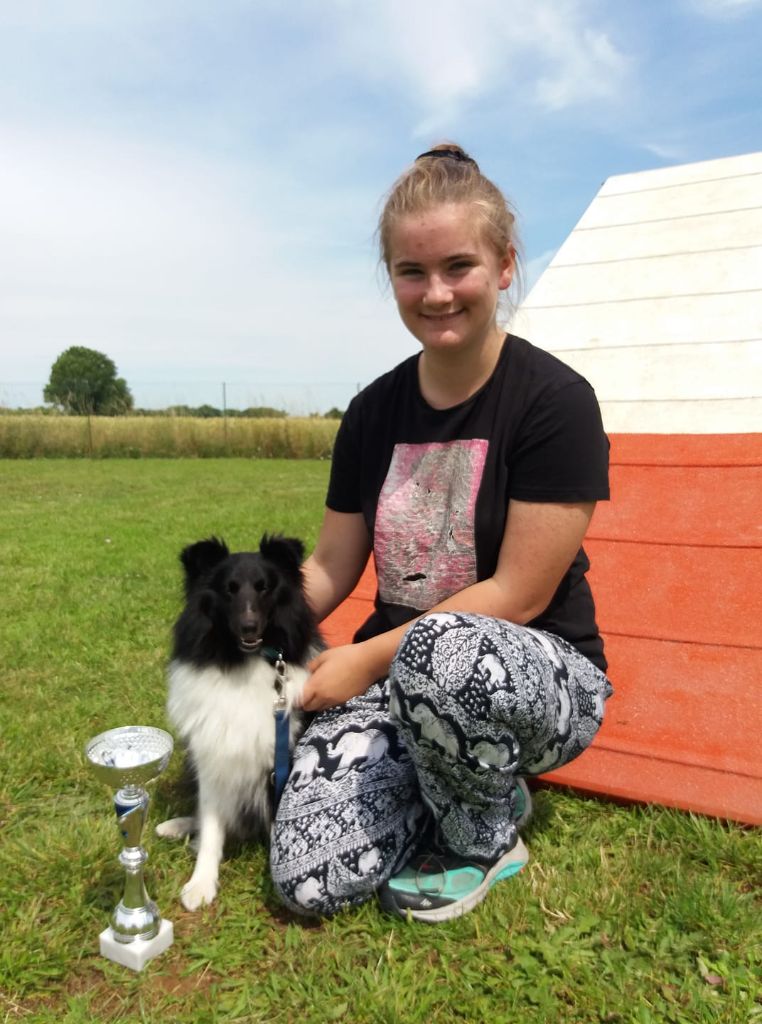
x=135, y=916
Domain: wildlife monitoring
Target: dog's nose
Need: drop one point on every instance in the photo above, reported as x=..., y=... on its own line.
x=249, y=620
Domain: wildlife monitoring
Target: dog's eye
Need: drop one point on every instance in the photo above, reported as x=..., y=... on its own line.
x=233, y=587
x=260, y=586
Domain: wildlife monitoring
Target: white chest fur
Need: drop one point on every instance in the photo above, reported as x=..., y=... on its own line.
x=226, y=717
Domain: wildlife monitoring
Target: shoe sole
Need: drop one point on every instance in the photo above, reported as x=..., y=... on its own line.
x=519, y=859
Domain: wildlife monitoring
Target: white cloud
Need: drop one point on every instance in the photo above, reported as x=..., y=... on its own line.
x=553, y=53
x=586, y=66
x=94, y=215
x=131, y=226
x=191, y=187
x=666, y=151
x=162, y=260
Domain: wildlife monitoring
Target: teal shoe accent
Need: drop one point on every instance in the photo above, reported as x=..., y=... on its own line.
x=509, y=871
x=437, y=887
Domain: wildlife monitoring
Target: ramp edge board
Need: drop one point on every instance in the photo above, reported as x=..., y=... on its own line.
x=630, y=777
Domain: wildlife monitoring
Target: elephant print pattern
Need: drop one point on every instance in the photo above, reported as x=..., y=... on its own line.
x=471, y=702
x=350, y=809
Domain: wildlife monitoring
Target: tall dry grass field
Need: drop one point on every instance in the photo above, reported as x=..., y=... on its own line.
x=101, y=437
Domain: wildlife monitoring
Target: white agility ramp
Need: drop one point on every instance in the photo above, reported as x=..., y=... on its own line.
x=656, y=298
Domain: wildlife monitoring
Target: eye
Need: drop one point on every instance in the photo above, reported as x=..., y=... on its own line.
x=233, y=587
x=260, y=586
x=461, y=266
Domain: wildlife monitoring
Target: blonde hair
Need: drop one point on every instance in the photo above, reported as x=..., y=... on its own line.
x=447, y=174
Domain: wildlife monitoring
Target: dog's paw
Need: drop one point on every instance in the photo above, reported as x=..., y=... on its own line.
x=177, y=828
x=198, y=892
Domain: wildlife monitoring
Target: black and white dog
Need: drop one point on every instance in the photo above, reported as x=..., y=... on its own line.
x=241, y=642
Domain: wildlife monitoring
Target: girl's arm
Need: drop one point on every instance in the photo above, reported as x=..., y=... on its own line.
x=334, y=567
x=539, y=544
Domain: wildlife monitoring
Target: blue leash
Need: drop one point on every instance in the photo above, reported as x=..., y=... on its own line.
x=281, y=749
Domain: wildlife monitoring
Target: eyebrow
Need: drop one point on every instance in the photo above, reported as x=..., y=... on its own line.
x=449, y=259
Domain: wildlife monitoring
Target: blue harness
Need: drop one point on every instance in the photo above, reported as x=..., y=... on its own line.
x=282, y=731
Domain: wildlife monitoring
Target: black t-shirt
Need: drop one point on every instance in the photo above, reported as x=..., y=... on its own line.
x=434, y=484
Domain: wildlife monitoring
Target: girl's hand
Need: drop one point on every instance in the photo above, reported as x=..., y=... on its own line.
x=337, y=675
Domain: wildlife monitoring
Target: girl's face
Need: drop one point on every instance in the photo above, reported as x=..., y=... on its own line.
x=446, y=278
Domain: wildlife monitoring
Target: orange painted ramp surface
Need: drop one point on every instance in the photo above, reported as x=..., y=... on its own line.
x=677, y=592
x=340, y=625
x=680, y=730
x=676, y=569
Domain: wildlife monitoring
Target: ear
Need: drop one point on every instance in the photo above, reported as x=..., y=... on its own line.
x=507, y=269
x=200, y=558
x=286, y=552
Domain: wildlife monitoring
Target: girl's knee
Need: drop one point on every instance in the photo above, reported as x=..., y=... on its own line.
x=424, y=630
x=443, y=649
x=416, y=649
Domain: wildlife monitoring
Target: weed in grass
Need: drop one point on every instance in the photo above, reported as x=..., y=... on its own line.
x=624, y=915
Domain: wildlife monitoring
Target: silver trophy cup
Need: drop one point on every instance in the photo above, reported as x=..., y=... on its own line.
x=127, y=759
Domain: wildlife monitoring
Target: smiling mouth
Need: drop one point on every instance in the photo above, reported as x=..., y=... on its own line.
x=442, y=316
x=249, y=646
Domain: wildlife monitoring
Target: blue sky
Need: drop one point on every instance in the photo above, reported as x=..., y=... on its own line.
x=193, y=188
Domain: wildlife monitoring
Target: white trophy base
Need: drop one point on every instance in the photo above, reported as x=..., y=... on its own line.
x=137, y=953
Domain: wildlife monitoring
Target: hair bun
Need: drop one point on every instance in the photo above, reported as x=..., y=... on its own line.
x=448, y=151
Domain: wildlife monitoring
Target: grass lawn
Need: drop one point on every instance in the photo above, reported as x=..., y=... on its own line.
x=624, y=914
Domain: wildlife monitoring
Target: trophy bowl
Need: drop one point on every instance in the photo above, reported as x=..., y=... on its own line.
x=131, y=756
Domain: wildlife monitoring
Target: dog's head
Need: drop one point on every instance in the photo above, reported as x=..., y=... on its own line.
x=247, y=592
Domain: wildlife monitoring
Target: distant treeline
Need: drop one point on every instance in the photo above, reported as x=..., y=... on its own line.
x=203, y=412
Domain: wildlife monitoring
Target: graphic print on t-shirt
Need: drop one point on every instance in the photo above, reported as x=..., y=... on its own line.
x=425, y=541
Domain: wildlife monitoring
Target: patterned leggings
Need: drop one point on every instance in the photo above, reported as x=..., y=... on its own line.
x=470, y=702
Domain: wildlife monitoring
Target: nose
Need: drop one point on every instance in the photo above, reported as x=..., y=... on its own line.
x=249, y=619
x=438, y=292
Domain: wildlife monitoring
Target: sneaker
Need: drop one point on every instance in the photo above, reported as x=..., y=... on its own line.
x=439, y=886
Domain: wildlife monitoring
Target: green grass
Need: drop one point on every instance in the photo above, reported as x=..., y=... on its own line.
x=625, y=915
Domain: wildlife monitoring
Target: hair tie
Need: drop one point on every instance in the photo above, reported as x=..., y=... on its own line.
x=450, y=154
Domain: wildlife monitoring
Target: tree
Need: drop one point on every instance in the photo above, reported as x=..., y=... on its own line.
x=83, y=381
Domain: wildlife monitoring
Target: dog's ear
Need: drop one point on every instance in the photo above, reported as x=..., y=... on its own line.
x=285, y=552
x=200, y=558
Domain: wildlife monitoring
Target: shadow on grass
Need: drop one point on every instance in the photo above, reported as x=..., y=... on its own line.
x=105, y=889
